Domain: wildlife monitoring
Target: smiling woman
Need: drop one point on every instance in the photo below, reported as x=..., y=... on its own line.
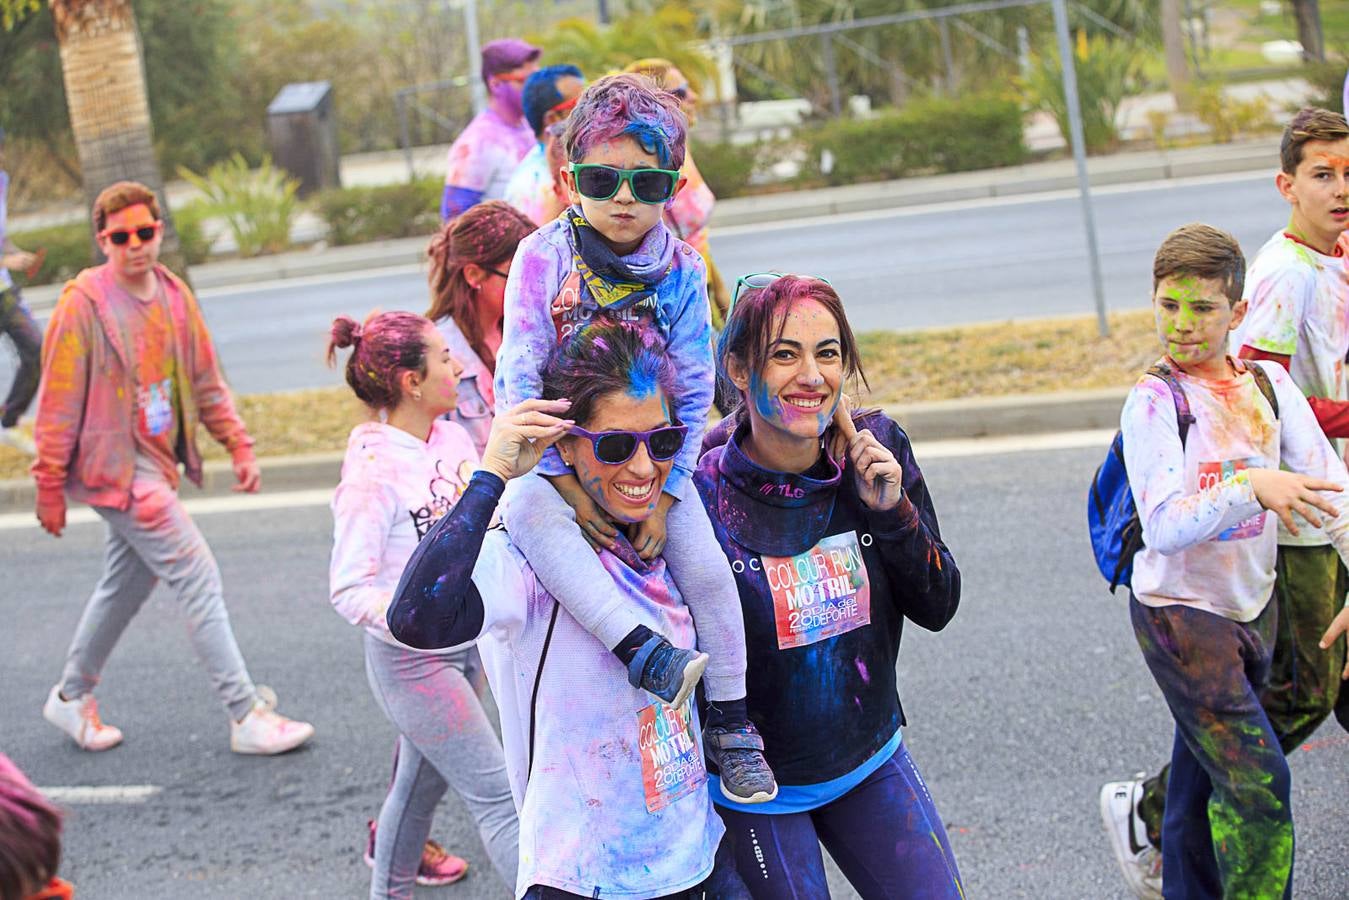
x=609, y=781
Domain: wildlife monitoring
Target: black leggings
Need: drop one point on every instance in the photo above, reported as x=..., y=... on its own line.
x=723, y=884
x=17, y=322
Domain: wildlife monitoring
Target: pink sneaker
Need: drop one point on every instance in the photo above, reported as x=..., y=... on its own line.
x=438, y=867
x=265, y=732
x=79, y=719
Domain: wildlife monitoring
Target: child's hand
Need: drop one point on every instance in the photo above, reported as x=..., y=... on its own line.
x=593, y=521
x=648, y=538
x=1339, y=626
x=520, y=435
x=1288, y=492
x=880, y=478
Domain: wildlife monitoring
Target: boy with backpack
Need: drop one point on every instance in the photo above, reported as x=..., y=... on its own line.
x=1202, y=582
x=1297, y=291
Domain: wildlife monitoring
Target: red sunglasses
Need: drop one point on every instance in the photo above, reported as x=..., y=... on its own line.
x=121, y=236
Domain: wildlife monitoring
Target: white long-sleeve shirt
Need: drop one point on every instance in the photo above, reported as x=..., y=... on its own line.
x=1208, y=543
x=394, y=487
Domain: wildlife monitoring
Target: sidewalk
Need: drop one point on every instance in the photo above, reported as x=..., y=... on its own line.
x=1034, y=178
x=940, y=421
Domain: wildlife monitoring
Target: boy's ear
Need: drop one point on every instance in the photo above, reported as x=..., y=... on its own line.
x=1238, y=313
x=569, y=183
x=1284, y=182
x=679, y=186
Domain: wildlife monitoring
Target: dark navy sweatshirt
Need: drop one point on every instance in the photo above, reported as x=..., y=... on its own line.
x=826, y=584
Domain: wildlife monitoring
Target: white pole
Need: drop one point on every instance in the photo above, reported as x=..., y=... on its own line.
x=478, y=89
x=1080, y=158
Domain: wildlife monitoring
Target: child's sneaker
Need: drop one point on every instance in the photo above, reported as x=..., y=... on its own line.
x=265, y=732
x=438, y=866
x=79, y=719
x=13, y=437
x=1140, y=862
x=738, y=752
x=664, y=670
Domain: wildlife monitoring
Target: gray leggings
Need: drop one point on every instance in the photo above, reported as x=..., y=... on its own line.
x=543, y=526
x=156, y=540
x=445, y=739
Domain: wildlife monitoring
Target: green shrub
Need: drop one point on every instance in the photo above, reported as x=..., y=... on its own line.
x=258, y=205
x=1227, y=117
x=189, y=221
x=936, y=135
x=726, y=167
x=70, y=248
x=1108, y=70
x=359, y=214
x=1327, y=79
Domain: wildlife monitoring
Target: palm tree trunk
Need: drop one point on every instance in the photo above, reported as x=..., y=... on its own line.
x=1308, y=15
x=104, y=76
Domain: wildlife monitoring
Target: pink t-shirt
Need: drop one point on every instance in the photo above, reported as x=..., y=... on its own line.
x=485, y=154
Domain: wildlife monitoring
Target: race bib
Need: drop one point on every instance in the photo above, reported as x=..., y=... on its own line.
x=820, y=593
x=672, y=763
x=156, y=408
x=1212, y=473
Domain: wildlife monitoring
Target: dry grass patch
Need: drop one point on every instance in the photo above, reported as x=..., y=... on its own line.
x=903, y=367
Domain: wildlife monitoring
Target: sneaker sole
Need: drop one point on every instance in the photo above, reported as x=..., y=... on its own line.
x=756, y=797
x=1122, y=857
x=693, y=672
x=290, y=745
x=422, y=879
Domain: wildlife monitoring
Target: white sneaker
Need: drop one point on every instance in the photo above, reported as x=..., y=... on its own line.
x=13, y=437
x=264, y=731
x=79, y=719
x=1140, y=862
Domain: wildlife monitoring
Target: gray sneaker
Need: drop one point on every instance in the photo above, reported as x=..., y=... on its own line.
x=738, y=752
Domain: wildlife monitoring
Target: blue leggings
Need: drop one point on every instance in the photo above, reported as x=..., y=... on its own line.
x=885, y=834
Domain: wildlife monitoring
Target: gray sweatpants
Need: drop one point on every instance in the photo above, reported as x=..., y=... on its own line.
x=543, y=526
x=153, y=540
x=445, y=739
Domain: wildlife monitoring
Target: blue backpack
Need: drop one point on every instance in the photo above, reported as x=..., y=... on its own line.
x=1116, y=532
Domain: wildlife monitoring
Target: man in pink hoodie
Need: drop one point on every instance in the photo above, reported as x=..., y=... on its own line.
x=128, y=371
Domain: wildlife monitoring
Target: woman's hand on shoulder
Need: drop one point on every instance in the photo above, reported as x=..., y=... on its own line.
x=879, y=476
x=520, y=435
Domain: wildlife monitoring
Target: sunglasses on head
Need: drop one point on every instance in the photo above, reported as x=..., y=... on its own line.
x=762, y=280
x=614, y=448
x=681, y=92
x=566, y=106
x=121, y=236
x=598, y=182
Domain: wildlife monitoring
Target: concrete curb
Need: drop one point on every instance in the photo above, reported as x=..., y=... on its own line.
x=942, y=420
x=1033, y=178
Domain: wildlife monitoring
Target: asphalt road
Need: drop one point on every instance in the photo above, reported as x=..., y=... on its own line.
x=968, y=261
x=1032, y=698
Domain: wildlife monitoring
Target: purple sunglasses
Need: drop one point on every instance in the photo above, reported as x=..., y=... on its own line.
x=613, y=448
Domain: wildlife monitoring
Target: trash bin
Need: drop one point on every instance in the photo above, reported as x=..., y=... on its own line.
x=302, y=131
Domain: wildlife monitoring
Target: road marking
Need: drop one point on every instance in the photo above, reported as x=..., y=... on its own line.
x=372, y=273
x=114, y=793
x=945, y=206
x=197, y=506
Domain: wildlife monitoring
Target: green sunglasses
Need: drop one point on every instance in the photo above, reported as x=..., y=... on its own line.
x=762, y=280
x=599, y=182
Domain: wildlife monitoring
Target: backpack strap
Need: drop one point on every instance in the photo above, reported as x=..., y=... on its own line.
x=1184, y=418
x=1263, y=383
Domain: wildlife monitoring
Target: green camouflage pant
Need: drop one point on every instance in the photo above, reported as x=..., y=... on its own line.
x=1304, y=680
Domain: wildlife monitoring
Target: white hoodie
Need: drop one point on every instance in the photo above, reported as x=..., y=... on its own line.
x=393, y=489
